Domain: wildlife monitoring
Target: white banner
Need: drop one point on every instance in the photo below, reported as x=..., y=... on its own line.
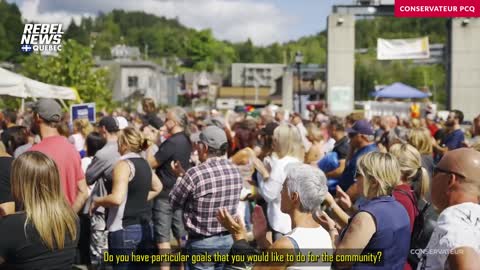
x=400, y=109
x=340, y=99
x=396, y=49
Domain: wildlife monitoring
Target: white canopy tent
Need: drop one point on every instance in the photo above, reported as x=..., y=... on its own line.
x=16, y=85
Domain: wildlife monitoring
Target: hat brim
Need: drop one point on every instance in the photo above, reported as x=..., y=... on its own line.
x=351, y=130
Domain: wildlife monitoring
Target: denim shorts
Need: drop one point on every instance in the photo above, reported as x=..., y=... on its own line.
x=165, y=219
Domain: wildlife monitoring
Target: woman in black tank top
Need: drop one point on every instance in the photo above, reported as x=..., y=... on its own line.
x=129, y=210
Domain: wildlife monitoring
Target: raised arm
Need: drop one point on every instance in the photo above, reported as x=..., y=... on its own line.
x=356, y=238
x=121, y=173
x=100, y=166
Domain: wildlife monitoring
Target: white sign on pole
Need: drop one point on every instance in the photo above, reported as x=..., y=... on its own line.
x=397, y=49
x=340, y=99
x=83, y=111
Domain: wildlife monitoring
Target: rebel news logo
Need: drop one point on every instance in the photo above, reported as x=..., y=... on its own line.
x=42, y=37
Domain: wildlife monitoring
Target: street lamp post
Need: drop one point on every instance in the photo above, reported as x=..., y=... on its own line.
x=298, y=61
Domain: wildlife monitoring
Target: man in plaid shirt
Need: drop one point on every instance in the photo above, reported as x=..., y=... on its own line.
x=215, y=183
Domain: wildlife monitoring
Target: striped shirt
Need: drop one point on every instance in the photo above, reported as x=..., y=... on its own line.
x=204, y=189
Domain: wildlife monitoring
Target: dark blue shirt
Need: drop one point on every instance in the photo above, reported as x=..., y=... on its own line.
x=348, y=176
x=392, y=234
x=454, y=139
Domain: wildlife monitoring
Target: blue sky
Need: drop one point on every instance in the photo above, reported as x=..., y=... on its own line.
x=311, y=15
x=264, y=21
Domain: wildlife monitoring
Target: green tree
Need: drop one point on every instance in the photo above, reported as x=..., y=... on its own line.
x=274, y=54
x=108, y=35
x=246, y=52
x=11, y=30
x=78, y=33
x=73, y=67
x=224, y=55
x=201, y=50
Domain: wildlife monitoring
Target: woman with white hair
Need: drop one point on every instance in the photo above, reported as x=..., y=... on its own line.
x=302, y=194
x=287, y=149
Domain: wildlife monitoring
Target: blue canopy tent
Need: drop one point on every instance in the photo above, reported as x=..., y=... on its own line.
x=400, y=91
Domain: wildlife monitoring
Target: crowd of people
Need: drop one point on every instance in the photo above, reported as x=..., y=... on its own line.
x=233, y=183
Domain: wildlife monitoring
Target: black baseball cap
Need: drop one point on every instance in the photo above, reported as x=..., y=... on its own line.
x=152, y=120
x=110, y=124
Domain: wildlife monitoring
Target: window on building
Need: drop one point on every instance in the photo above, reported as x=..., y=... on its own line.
x=132, y=81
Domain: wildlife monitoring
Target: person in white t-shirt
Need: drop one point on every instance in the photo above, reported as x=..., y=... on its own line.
x=287, y=149
x=302, y=194
x=455, y=242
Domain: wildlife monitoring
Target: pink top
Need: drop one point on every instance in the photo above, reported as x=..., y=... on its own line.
x=68, y=162
x=406, y=201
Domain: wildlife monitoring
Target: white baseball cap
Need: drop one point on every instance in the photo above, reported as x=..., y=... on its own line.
x=122, y=122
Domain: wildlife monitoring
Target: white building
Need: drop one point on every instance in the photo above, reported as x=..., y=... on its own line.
x=134, y=79
x=125, y=52
x=256, y=75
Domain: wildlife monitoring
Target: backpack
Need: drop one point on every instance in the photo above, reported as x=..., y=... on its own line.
x=423, y=227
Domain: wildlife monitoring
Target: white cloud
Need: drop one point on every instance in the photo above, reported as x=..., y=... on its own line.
x=234, y=20
x=30, y=11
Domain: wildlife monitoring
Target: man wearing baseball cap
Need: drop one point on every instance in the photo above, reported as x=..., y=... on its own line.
x=99, y=172
x=109, y=124
x=47, y=116
x=361, y=142
x=202, y=190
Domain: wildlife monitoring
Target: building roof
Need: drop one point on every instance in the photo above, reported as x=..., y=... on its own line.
x=130, y=63
x=123, y=51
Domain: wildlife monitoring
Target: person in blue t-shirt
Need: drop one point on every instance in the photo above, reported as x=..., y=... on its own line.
x=361, y=136
x=455, y=137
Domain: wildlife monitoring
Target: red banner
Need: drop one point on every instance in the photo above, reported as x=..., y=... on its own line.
x=437, y=8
